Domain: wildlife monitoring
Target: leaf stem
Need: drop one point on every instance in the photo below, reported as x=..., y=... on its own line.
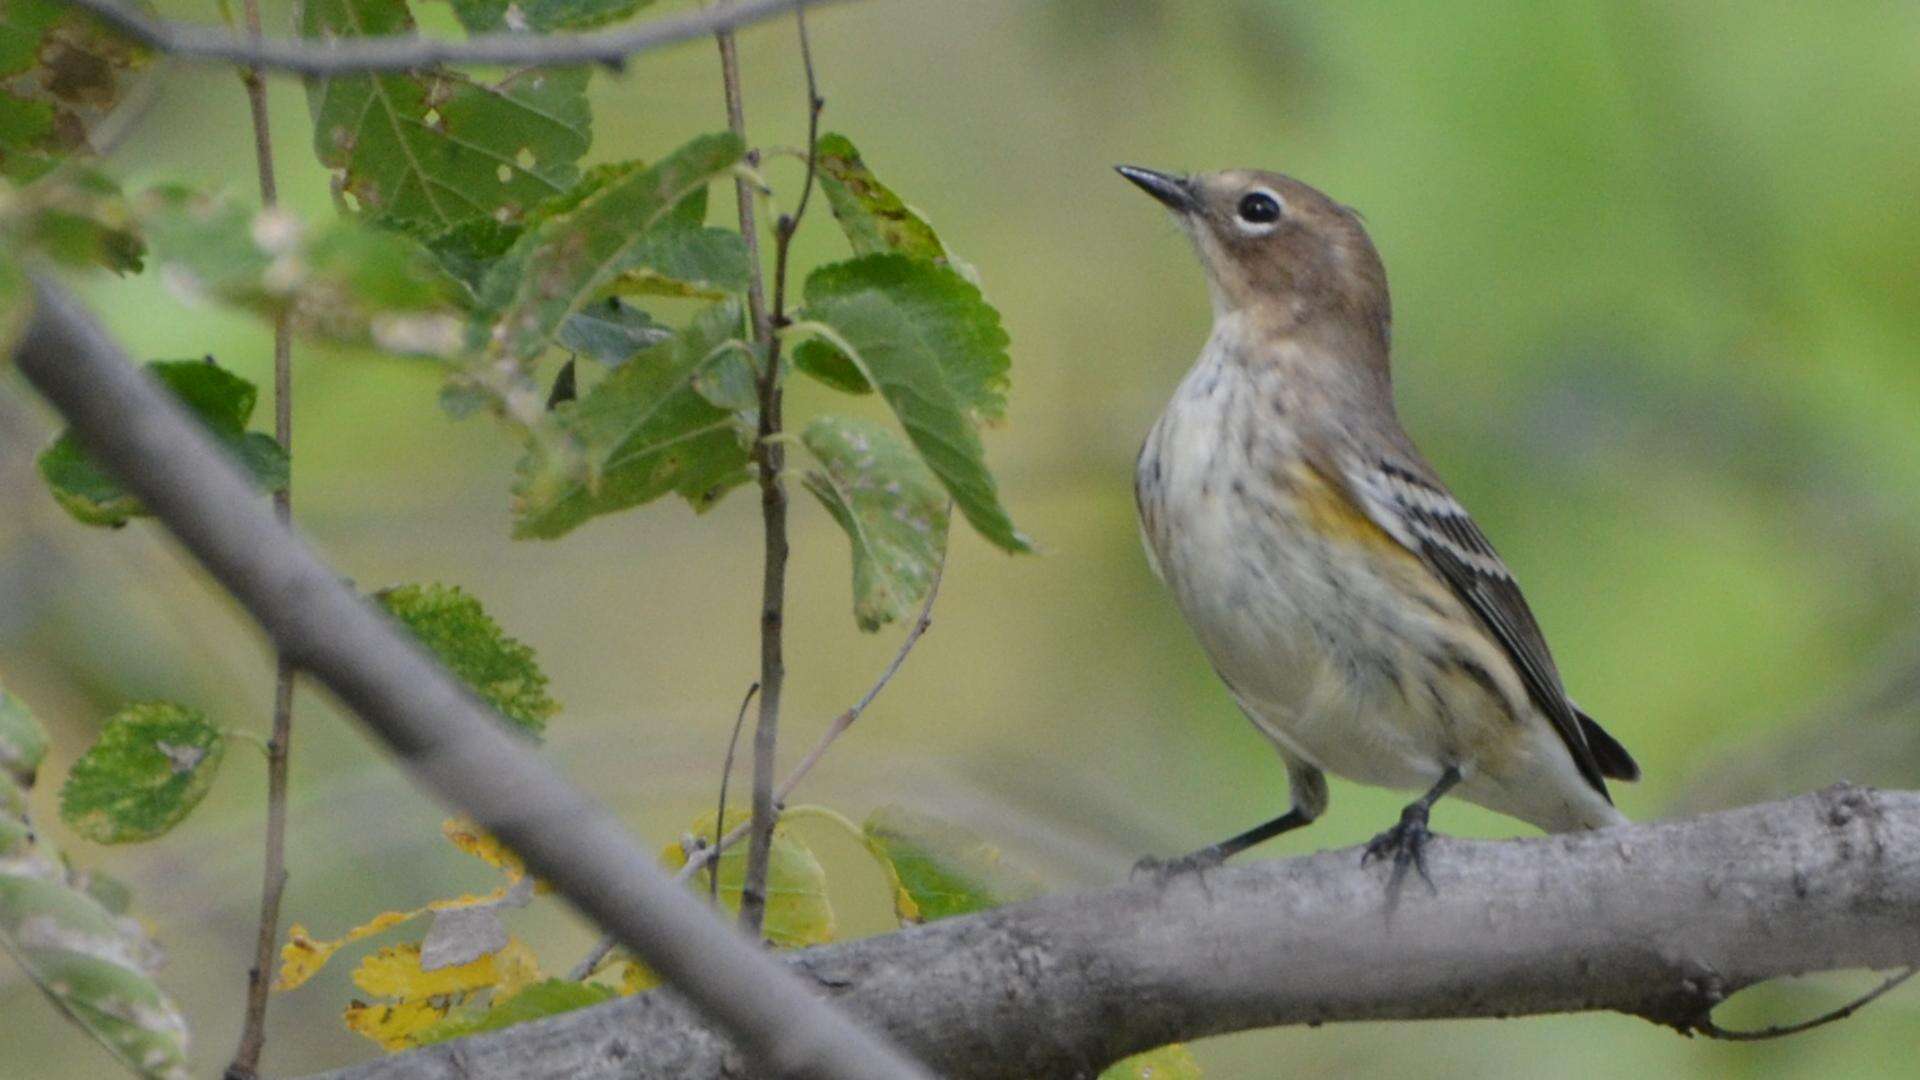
x=253, y=1034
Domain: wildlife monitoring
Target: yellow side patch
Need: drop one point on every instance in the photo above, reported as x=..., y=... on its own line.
x=1331, y=514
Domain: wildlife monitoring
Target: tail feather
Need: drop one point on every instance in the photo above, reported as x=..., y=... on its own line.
x=1614, y=761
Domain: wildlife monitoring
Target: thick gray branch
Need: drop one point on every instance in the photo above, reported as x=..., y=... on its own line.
x=406, y=53
x=1660, y=920
x=447, y=737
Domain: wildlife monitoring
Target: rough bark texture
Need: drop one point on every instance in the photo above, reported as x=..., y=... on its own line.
x=1662, y=920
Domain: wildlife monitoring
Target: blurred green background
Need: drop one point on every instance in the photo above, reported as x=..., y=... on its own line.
x=1654, y=268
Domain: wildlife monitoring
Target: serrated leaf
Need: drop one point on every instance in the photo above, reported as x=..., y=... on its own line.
x=61, y=71
x=891, y=506
x=339, y=280
x=924, y=336
x=644, y=431
x=939, y=869
x=424, y=150
x=1171, y=1062
x=23, y=742
x=152, y=764
x=798, y=913
x=221, y=401
x=550, y=997
x=543, y=16
x=457, y=629
x=626, y=223
x=610, y=331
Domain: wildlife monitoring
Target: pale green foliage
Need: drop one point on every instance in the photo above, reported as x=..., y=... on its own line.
x=925, y=337
x=543, y=15
x=428, y=149
x=219, y=399
x=339, y=280
x=798, y=913
x=610, y=331
x=1171, y=1062
x=940, y=869
x=23, y=742
x=642, y=432
x=624, y=225
x=152, y=764
x=458, y=630
x=873, y=217
x=891, y=506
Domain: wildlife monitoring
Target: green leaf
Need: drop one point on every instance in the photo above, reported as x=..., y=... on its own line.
x=151, y=766
x=61, y=71
x=543, y=999
x=1171, y=1062
x=873, y=217
x=455, y=628
x=76, y=217
x=939, y=869
x=924, y=336
x=23, y=742
x=626, y=228
x=798, y=913
x=340, y=281
x=610, y=331
x=645, y=430
x=891, y=506
x=542, y=16
x=424, y=150
x=219, y=399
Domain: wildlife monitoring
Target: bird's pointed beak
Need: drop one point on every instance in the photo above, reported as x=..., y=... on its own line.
x=1174, y=191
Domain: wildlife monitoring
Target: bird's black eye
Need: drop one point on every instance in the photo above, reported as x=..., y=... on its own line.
x=1259, y=208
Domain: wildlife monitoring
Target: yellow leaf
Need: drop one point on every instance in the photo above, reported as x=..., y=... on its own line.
x=517, y=968
x=302, y=957
x=393, y=1026
x=395, y=972
x=480, y=844
x=636, y=977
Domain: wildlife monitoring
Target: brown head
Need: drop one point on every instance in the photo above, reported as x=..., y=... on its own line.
x=1278, y=251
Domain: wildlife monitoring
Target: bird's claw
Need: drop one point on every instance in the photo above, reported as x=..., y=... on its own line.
x=1160, y=871
x=1406, y=845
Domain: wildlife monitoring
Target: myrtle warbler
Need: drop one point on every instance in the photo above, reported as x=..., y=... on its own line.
x=1356, y=613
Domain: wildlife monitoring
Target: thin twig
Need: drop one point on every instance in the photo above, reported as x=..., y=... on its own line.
x=770, y=458
x=253, y=1033
x=406, y=52
x=1706, y=1026
x=790, y=223
x=726, y=774
x=697, y=860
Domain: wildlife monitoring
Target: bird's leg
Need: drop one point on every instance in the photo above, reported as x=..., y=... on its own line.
x=1407, y=840
x=1214, y=854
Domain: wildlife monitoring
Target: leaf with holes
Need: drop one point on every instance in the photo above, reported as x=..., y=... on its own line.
x=644, y=431
x=543, y=16
x=924, y=336
x=939, y=869
x=150, y=767
x=626, y=228
x=61, y=71
x=891, y=506
x=221, y=401
x=455, y=628
x=341, y=280
x=425, y=150
x=1171, y=1062
x=798, y=913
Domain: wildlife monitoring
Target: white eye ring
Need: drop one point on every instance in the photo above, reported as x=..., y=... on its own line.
x=1259, y=212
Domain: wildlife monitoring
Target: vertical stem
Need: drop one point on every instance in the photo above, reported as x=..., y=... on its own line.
x=769, y=458
x=253, y=1034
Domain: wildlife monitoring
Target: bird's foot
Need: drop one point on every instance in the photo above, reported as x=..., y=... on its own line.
x=1160, y=871
x=1406, y=845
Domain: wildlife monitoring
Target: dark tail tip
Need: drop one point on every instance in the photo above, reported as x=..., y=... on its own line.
x=1614, y=761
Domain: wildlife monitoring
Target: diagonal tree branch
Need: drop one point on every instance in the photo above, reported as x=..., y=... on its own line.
x=451, y=741
x=1661, y=920
x=406, y=53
